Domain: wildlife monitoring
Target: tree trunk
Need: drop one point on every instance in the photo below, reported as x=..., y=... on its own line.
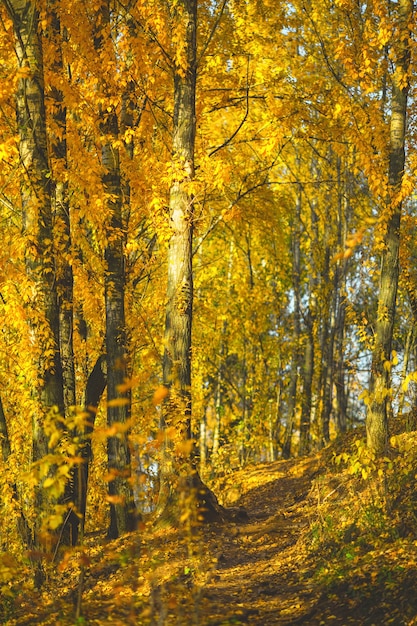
x=296, y=335
x=95, y=387
x=122, y=506
x=62, y=252
x=327, y=350
x=181, y=490
x=36, y=194
x=305, y=422
x=62, y=225
x=340, y=382
x=380, y=383
x=222, y=355
x=340, y=411
x=22, y=524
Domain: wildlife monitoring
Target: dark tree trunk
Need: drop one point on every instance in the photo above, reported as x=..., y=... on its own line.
x=36, y=194
x=62, y=226
x=95, y=387
x=23, y=528
x=62, y=251
x=122, y=507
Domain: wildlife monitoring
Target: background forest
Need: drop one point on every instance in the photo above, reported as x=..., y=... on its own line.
x=208, y=248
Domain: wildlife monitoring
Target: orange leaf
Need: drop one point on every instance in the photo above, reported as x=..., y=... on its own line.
x=160, y=394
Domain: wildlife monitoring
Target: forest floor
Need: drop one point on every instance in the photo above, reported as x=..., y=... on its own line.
x=320, y=545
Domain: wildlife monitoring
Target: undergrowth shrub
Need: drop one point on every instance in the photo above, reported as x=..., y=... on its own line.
x=365, y=507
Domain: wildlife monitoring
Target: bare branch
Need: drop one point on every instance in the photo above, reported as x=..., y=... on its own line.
x=213, y=30
x=245, y=117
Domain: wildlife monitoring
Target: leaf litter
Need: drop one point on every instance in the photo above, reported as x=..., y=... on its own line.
x=312, y=551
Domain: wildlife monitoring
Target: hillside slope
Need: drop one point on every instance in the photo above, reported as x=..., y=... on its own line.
x=322, y=544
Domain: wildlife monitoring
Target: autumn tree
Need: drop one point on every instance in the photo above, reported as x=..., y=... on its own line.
x=177, y=354
x=380, y=384
x=36, y=200
x=178, y=474
x=122, y=508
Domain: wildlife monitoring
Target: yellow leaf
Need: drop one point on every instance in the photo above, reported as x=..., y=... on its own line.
x=54, y=439
x=24, y=72
x=54, y=521
x=49, y=482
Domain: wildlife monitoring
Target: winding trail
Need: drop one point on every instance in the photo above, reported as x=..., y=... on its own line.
x=261, y=576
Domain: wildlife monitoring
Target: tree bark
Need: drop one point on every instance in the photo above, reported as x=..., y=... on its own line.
x=181, y=490
x=122, y=506
x=296, y=334
x=380, y=384
x=62, y=223
x=222, y=355
x=306, y=403
x=327, y=342
x=22, y=524
x=62, y=253
x=36, y=195
x=340, y=409
x=95, y=387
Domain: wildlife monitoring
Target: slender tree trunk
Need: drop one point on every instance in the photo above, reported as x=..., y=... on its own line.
x=176, y=468
x=309, y=373
x=340, y=382
x=62, y=223
x=306, y=404
x=295, y=357
x=274, y=421
x=202, y=442
x=36, y=194
x=22, y=524
x=62, y=250
x=122, y=506
x=222, y=364
x=340, y=415
x=329, y=302
x=327, y=350
x=380, y=383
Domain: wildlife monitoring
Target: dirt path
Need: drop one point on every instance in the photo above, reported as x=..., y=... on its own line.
x=260, y=572
x=261, y=576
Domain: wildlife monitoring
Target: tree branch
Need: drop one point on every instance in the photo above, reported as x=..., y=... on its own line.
x=245, y=117
x=212, y=32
